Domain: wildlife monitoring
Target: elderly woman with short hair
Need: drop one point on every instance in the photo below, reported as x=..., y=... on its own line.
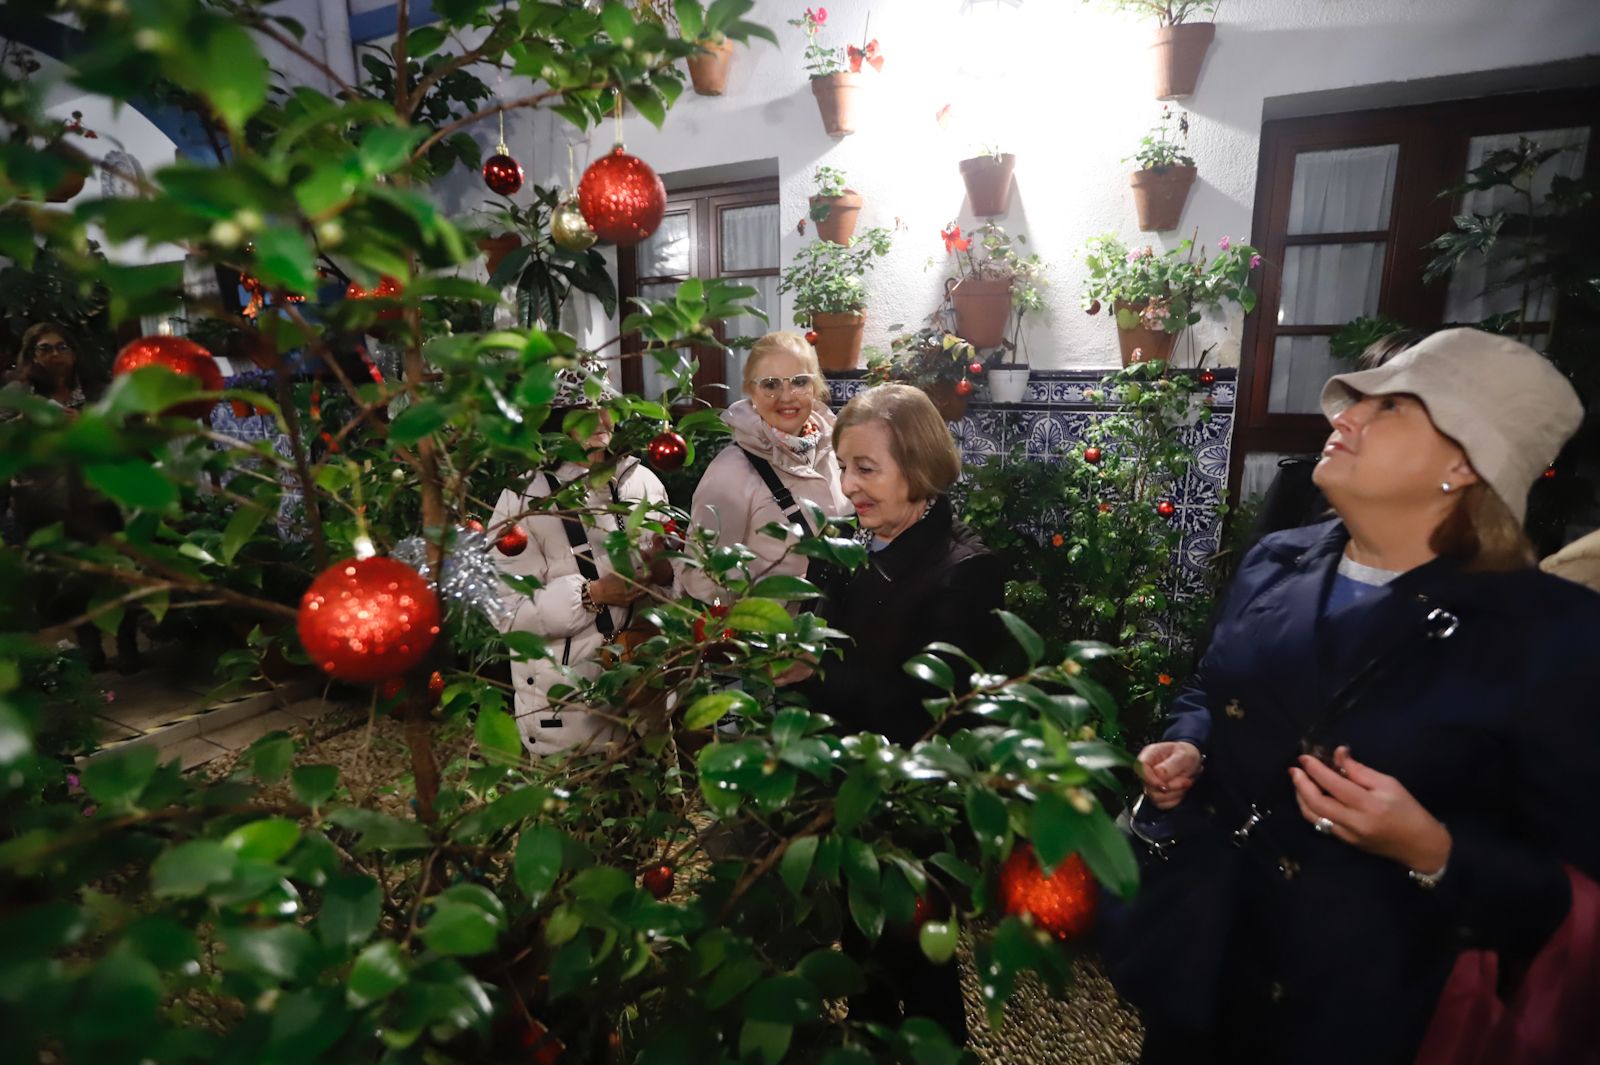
x=1387, y=755
x=782, y=454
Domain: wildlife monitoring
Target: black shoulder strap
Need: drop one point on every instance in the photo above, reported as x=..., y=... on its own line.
x=583, y=555
x=780, y=492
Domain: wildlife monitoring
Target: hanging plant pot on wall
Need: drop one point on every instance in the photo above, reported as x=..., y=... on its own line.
x=708, y=71
x=983, y=309
x=836, y=101
x=1179, y=52
x=1159, y=195
x=838, y=340
x=1139, y=342
x=988, y=179
x=838, y=223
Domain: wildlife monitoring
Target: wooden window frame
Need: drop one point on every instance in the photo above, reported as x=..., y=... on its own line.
x=1433, y=143
x=705, y=205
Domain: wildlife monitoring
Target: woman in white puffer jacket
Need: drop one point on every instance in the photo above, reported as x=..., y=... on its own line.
x=576, y=613
x=783, y=423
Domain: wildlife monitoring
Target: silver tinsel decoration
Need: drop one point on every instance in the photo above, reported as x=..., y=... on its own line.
x=470, y=576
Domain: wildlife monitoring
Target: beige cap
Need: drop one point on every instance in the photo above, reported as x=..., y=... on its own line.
x=1507, y=406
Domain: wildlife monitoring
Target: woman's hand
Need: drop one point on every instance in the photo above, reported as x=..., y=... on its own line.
x=1169, y=770
x=612, y=590
x=1370, y=810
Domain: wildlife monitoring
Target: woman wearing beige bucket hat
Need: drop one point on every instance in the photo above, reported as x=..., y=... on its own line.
x=1388, y=754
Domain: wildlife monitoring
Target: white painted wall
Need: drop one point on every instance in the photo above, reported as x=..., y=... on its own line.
x=1066, y=87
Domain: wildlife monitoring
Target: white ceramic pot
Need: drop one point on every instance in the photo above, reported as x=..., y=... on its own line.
x=1008, y=385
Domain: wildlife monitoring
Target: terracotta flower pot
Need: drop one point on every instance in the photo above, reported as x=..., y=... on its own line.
x=1159, y=196
x=496, y=248
x=983, y=309
x=836, y=100
x=988, y=179
x=838, y=340
x=1142, y=344
x=840, y=225
x=1179, y=51
x=71, y=183
x=951, y=405
x=708, y=71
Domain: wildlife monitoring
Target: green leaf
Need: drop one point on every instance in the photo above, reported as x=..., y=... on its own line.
x=933, y=670
x=386, y=148
x=379, y=831
x=765, y=1041
x=417, y=421
x=1023, y=633
x=796, y=863
x=857, y=795
x=225, y=67
x=1109, y=855
x=601, y=884
x=351, y=907
x=240, y=528
x=117, y=778
x=263, y=841
x=1055, y=830
x=833, y=973
x=134, y=484
x=782, y=1000
x=497, y=734
x=785, y=588
x=190, y=868
x=461, y=929
x=283, y=259
x=284, y=952
x=538, y=861
x=315, y=784
x=378, y=972
x=121, y=998
x=759, y=615
x=270, y=756
x=424, y=41
x=986, y=812
x=709, y=709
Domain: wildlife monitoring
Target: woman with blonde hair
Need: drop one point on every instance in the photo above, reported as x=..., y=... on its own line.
x=782, y=455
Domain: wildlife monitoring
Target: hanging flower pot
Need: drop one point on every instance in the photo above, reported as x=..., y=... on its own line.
x=836, y=101
x=496, y=248
x=983, y=309
x=1179, y=51
x=708, y=70
x=948, y=400
x=838, y=340
x=988, y=179
x=71, y=182
x=1139, y=342
x=1159, y=195
x=838, y=224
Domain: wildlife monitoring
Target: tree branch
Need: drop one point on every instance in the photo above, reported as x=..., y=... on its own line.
x=489, y=112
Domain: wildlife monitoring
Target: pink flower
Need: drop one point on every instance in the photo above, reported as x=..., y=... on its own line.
x=88, y=811
x=111, y=696
x=1224, y=244
x=1255, y=261
x=73, y=783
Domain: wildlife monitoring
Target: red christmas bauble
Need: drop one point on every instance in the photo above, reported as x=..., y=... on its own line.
x=811, y=336
x=1208, y=377
x=502, y=174
x=1549, y=473
x=658, y=880
x=183, y=357
x=1166, y=509
x=512, y=542
x=1091, y=455
x=963, y=387
x=473, y=525
x=975, y=369
x=667, y=452
x=368, y=619
x=622, y=198
x=1062, y=903
x=387, y=288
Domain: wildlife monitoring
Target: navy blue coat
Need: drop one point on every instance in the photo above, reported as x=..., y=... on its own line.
x=1335, y=955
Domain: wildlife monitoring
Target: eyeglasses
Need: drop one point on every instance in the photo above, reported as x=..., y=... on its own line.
x=47, y=349
x=800, y=382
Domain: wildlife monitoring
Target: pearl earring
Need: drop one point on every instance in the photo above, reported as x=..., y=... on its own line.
x=1444, y=486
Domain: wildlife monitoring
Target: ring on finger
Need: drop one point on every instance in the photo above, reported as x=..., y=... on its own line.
x=1324, y=826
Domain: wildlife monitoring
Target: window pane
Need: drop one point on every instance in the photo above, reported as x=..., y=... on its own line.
x=746, y=325
x=749, y=237
x=1260, y=470
x=1300, y=367
x=666, y=252
x=1349, y=190
x=1329, y=284
x=1487, y=285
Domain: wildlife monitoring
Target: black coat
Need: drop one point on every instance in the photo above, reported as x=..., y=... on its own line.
x=1330, y=954
x=934, y=582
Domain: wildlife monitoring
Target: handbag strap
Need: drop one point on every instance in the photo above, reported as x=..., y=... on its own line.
x=583, y=555
x=780, y=492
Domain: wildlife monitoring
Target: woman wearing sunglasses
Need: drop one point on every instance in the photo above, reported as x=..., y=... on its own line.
x=784, y=455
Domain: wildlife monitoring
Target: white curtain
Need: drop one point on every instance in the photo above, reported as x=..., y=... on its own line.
x=1343, y=191
x=1467, y=300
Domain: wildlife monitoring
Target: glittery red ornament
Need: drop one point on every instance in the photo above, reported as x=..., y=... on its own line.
x=658, y=880
x=1061, y=903
x=1166, y=509
x=387, y=288
x=963, y=387
x=1208, y=378
x=368, y=619
x=502, y=173
x=667, y=452
x=622, y=198
x=1091, y=455
x=512, y=542
x=183, y=357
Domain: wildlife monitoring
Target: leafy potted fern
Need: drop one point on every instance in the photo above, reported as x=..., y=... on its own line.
x=835, y=207
x=1166, y=174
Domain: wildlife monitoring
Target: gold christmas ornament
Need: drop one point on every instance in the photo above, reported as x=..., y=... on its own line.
x=569, y=229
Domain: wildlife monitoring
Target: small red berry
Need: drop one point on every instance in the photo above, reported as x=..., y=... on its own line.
x=473, y=525
x=1166, y=509
x=720, y=610
x=975, y=369
x=658, y=880
x=963, y=387
x=811, y=336
x=436, y=684
x=1549, y=473
x=1104, y=508
x=699, y=630
x=512, y=542
x=1208, y=377
x=1091, y=455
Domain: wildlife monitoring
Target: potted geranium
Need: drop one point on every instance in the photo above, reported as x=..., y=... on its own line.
x=1155, y=297
x=834, y=206
x=835, y=72
x=830, y=294
x=1184, y=34
x=934, y=360
x=988, y=179
x=992, y=280
x=1166, y=173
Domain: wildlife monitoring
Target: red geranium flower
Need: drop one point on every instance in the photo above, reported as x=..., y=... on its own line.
x=1165, y=680
x=819, y=16
x=869, y=54
x=953, y=240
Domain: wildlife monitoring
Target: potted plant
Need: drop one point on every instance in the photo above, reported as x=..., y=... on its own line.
x=544, y=272
x=988, y=179
x=1157, y=296
x=934, y=360
x=1181, y=40
x=991, y=281
x=708, y=70
x=1166, y=174
x=830, y=295
x=834, y=207
x=835, y=72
